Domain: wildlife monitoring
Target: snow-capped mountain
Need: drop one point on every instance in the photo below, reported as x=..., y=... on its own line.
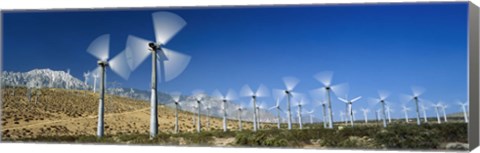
x=41, y=78
x=47, y=78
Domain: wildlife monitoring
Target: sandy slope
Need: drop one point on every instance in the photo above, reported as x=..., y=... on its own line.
x=71, y=112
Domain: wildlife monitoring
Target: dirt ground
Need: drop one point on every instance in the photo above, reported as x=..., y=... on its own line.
x=74, y=112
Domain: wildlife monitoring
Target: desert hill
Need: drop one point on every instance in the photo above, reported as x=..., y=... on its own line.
x=74, y=112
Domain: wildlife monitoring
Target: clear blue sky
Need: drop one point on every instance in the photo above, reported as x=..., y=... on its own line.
x=371, y=47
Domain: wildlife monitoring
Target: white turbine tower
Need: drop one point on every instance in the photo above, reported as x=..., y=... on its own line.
x=199, y=97
x=262, y=91
x=424, y=110
x=277, y=106
x=176, y=100
x=300, y=102
x=95, y=77
x=389, y=110
x=310, y=113
x=437, y=106
x=100, y=49
x=228, y=97
x=365, y=114
x=259, y=108
x=377, y=114
x=464, y=110
x=382, y=96
x=354, y=112
x=86, y=75
x=325, y=78
x=416, y=92
x=170, y=63
x=405, y=109
x=290, y=84
x=239, y=117
x=342, y=118
x=444, y=106
x=324, y=113
x=349, y=107
x=208, y=107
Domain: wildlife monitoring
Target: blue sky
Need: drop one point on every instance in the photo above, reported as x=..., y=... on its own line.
x=370, y=47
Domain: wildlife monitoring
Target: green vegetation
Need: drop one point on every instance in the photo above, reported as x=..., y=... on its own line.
x=395, y=136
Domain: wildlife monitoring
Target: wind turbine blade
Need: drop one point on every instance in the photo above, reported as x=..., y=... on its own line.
x=175, y=96
x=166, y=25
x=119, y=65
x=198, y=94
x=272, y=107
x=417, y=91
x=318, y=94
x=262, y=91
x=137, y=51
x=355, y=99
x=340, y=89
x=343, y=100
x=277, y=103
x=297, y=96
x=383, y=94
x=217, y=94
x=246, y=91
x=324, y=77
x=290, y=82
x=100, y=47
x=175, y=64
x=278, y=94
x=97, y=71
x=231, y=95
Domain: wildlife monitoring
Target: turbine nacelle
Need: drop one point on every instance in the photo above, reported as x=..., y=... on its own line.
x=155, y=46
x=102, y=63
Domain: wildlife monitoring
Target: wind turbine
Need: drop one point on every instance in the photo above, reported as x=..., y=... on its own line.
x=208, y=107
x=325, y=78
x=229, y=96
x=444, y=106
x=310, y=113
x=290, y=84
x=464, y=109
x=176, y=100
x=199, y=96
x=437, y=106
x=349, y=106
x=377, y=114
x=240, y=112
x=95, y=77
x=86, y=75
x=342, y=114
x=405, y=109
x=170, y=63
x=365, y=112
x=424, y=110
x=262, y=91
x=100, y=49
x=259, y=108
x=389, y=110
x=300, y=102
x=324, y=115
x=416, y=92
x=382, y=96
x=277, y=106
x=354, y=112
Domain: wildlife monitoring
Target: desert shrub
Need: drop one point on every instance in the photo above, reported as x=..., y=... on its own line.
x=358, y=143
x=407, y=137
x=268, y=138
x=451, y=132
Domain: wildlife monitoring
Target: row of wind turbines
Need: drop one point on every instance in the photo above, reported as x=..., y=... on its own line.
x=170, y=64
